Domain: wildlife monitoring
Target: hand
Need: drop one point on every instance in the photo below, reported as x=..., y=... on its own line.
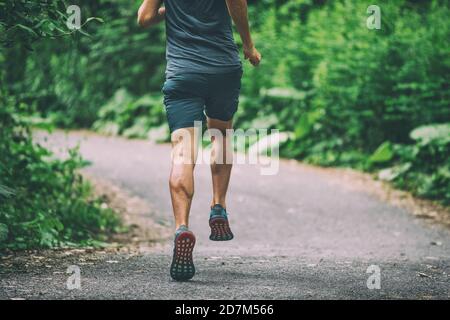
x=162, y=11
x=252, y=55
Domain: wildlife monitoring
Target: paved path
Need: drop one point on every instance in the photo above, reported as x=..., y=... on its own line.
x=297, y=236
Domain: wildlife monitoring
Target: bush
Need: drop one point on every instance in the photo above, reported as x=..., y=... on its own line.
x=44, y=202
x=70, y=79
x=423, y=168
x=351, y=95
x=131, y=117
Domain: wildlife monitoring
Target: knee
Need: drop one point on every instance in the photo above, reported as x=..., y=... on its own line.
x=179, y=185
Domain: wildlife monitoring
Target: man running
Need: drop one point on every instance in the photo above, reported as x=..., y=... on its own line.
x=203, y=80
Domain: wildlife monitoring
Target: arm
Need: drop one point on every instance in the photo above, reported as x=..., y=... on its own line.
x=150, y=13
x=239, y=13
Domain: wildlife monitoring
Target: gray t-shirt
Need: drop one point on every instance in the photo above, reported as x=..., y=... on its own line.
x=200, y=37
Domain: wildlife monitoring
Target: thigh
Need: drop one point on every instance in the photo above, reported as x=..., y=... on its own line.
x=183, y=101
x=219, y=125
x=223, y=97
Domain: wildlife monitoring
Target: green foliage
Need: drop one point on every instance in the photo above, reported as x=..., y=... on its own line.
x=129, y=116
x=3, y=232
x=425, y=134
x=28, y=21
x=69, y=80
x=44, y=201
x=348, y=95
x=424, y=167
x=384, y=153
x=372, y=85
x=351, y=95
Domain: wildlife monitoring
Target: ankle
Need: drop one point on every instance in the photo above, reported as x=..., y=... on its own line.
x=178, y=226
x=221, y=203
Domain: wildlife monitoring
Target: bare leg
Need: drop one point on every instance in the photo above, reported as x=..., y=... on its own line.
x=184, y=155
x=221, y=160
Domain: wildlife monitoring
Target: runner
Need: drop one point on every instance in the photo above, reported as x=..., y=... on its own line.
x=203, y=80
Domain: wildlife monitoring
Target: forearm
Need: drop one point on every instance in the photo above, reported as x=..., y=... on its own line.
x=239, y=13
x=150, y=13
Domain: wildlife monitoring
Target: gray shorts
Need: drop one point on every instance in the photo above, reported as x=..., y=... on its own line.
x=189, y=96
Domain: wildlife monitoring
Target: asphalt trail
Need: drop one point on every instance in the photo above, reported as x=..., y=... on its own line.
x=297, y=236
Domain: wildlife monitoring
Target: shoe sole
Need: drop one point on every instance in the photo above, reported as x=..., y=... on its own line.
x=220, y=229
x=182, y=267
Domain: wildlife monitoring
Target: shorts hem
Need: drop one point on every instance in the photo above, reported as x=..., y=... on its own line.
x=219, y=118
x=183, y=125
